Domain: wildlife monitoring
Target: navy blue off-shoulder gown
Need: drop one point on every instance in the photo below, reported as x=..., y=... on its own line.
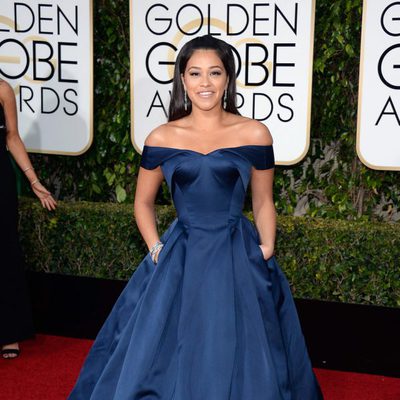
x=212, y=320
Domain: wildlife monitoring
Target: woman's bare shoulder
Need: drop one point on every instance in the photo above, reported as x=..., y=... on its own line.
x=158, y=136
x=6, y=91
x=253, y=131
x=258, y=133
x=165, y=134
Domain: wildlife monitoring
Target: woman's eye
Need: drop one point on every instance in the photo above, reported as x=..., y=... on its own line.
x=216, y=73
x=194, y=74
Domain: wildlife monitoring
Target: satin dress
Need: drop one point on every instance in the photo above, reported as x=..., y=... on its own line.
x=212, y=320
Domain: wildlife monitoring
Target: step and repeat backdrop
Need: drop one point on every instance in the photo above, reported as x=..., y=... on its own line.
x=46, y=55
x=378, y=134
x=273, y=48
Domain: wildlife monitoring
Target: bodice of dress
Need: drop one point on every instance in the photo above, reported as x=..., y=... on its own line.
x=208, y=190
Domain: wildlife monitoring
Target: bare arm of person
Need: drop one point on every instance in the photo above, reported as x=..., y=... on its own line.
x=147, y=186
x=17, y=147
x=262, y=197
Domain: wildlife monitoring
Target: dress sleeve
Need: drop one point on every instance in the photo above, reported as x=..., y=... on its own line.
x=151, y=157
x=262, y=157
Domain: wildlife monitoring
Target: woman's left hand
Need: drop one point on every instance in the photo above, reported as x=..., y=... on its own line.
x=44, y=196
x=268, y=251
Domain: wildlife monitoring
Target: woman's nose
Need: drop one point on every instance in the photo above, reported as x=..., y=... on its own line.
x=205, y=80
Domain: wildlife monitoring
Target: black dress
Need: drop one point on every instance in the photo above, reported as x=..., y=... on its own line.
x=15, y=313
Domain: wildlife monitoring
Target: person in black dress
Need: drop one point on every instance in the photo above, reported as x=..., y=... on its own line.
x=15, y=310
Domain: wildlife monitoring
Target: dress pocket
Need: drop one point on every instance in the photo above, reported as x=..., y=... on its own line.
x=159, y=257
x=260, y=253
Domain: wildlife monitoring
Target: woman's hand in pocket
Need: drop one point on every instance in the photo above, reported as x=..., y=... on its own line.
x=267, y=251
x=156, y=255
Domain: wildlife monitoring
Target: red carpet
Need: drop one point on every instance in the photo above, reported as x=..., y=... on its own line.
x=49, y=365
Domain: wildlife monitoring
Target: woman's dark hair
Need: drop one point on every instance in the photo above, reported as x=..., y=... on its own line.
x=207, y=42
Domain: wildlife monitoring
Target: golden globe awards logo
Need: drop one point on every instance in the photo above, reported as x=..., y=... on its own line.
x=272, y=46
x=45, y=54
x=378, y=132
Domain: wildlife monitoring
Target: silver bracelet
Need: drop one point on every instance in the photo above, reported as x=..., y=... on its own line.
x=26, y=169
x=157, y=246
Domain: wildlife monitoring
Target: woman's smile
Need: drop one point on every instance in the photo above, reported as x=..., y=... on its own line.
x=205, y=93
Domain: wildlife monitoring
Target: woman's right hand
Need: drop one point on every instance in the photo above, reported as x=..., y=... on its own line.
x=155, y=258
x=155, y=251
x=44, y=196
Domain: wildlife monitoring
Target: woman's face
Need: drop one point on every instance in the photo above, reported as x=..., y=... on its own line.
x=205, y=79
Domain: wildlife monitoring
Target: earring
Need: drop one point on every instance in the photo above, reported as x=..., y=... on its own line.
x=185, y=100
x=225, y=98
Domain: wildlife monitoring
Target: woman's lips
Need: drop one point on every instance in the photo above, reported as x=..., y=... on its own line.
x=205, y=93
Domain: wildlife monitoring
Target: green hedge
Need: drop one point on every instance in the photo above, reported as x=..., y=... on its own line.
x=355, y=262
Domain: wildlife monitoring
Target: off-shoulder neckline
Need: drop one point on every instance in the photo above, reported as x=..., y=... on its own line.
x=210, y=152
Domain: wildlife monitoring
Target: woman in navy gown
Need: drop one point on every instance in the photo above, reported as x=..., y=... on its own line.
x=208, y=315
